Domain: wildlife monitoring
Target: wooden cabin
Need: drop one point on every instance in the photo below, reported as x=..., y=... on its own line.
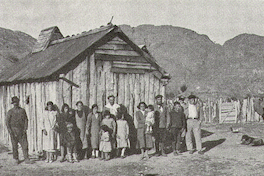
x=89, y=67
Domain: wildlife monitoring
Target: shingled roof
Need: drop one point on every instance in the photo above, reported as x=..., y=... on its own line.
x=50, y=56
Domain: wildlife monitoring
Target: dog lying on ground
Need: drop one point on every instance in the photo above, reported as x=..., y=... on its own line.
x=247, y=140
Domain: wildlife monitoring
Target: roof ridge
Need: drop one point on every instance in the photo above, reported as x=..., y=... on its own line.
x=83, y=34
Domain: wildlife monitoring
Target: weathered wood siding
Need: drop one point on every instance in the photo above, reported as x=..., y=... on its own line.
x=114, y=69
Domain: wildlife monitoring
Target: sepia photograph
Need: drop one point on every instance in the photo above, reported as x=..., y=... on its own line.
x=131, y=87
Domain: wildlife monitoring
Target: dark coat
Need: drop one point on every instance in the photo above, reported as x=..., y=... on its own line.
x=16, y=118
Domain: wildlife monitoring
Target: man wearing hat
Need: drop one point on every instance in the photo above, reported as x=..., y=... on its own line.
x=162, y=120
x=17, y=123
x=193, y=125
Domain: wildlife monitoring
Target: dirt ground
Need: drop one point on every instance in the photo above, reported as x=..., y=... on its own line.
x=223, y=156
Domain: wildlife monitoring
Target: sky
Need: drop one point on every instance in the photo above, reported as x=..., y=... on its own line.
x=221, y=20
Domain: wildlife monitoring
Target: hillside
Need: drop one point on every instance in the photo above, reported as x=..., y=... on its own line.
x=14, y=45
x=208, y=69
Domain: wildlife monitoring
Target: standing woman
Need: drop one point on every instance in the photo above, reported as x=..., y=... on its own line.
x=50, y=137
x=66, y=116
x=93, y=129
x=81, y=120
x=144, y=140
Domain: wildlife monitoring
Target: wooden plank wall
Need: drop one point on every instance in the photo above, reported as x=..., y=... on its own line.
x=33, y=98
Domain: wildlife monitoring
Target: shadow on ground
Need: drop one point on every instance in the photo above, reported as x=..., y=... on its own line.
x=206, y=133
x=211, y=144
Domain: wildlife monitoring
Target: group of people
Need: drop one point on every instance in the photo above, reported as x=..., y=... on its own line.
x=82, y=133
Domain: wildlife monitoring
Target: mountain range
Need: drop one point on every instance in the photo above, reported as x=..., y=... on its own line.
x=208, y=69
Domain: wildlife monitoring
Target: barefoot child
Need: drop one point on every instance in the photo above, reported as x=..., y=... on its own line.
x=70, y=140
x=105, y=144
x=122, y=134
x=150, y=119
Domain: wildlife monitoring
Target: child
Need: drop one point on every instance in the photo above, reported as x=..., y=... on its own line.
x=150, y=119
x=70, y=140
x=105, y=144
x=111, y=124
x=122, y=134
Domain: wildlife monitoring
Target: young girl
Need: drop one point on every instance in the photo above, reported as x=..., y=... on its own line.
x=111, y=124
x=49, y=126
x=150, y=119
x=70, y=140
x=93, y=128
x=105, y=144
x=122, y=134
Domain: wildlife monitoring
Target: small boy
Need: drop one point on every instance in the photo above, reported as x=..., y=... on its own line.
x=70, y=140
x=150, y=119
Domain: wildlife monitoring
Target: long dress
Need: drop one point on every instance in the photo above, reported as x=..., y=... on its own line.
x=50, y=141
x=93, y=127
x=122, y=134
x=144, y=140
x=81, y=125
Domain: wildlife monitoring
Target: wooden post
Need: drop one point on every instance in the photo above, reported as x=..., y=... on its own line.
x=115, y=80
x=142, y=87
x=93, y=83
x=151, y=89
x=146, y=76
x=121, y=89
x=127, y=91
x=137, y=97
x=100, y=83
x=132, y=97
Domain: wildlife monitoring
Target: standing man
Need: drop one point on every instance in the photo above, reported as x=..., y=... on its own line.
x=193, y=125
x=162, y=120
x=17, y=124
x=177, y=126
x=112, y=106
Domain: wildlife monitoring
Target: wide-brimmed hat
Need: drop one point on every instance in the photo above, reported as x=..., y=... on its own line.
x=15, y=99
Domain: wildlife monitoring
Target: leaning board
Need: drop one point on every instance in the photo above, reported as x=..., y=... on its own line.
x=228, y=113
